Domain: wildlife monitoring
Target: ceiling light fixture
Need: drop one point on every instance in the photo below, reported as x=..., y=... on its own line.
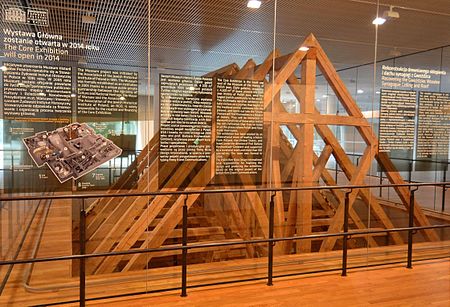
x=303, y=48
x=379, y=21
x=360, y=91
x=395, y=52
x=254, y=4
x=391, y=14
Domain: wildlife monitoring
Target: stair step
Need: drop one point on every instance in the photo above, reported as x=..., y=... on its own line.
x=192, y=220
x=322, y=213
x=379, y=234
x=320, y=222
x=196, y=250
x=191, y=232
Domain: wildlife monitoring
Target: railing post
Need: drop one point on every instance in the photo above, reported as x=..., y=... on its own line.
x=345, y=238
x=184, y=251
x=82, y=252
x=381, y=182
x=411, y=224
x=444, y=188
x=335, y=171
x=271, y=244
x=410, y=171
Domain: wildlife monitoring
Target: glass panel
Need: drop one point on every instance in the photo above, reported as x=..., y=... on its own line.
x=412, y=100
x=313, y=149
x=131, y=97
x=209, y=65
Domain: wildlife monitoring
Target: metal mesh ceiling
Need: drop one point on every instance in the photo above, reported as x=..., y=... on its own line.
x=203, y=35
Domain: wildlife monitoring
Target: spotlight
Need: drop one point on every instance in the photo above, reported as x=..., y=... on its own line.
x=303, y=48
x=73, y=95
x=254, y=4
x=3, y=68
x=391, y=13
x=379, y=21
x=122, y=98
x=359, y=91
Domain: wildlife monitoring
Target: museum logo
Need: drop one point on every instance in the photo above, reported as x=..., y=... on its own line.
x=26, y=15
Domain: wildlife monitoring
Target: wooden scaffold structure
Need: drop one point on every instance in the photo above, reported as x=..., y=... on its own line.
x=117, y=224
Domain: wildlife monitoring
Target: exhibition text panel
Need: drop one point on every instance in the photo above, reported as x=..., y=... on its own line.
x=434, y=124
x=185, y=118
x=37, y=93
x=239, y=142
x=397, y=120
x=189, y=126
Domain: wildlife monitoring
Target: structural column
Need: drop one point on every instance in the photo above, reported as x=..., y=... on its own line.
x=307, y=106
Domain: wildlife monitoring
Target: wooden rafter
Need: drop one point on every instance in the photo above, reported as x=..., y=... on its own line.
x=122, y=226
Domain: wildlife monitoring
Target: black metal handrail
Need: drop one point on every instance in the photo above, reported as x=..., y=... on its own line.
x=184, y=247
x=221, y=191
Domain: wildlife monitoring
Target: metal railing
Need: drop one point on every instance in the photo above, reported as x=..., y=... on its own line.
x=410, y=162
x=270, y=241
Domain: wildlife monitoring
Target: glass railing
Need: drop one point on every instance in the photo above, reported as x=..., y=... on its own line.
x=210, y=237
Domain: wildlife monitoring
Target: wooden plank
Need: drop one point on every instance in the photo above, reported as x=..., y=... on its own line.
x=357, y=178
x=290, y=164
x=367, y=133
x=305, y=158
x=100, y=209
x=321, y=162
x=231, y=207
x=339, y=199
x=288, y=69
x=246, y=72
x=137, y=228
x=263, y=69
x=317, y=119
x=192, y=232
x=226, y=71
x=122, y=216
x=274, y=178
x=192, y=220
x=328, y=180
x=342, y=92
x=346, y=165
x=403, y=192
x=168, y=223
x=115, y=207
x=153, y=210
x=198, y=250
